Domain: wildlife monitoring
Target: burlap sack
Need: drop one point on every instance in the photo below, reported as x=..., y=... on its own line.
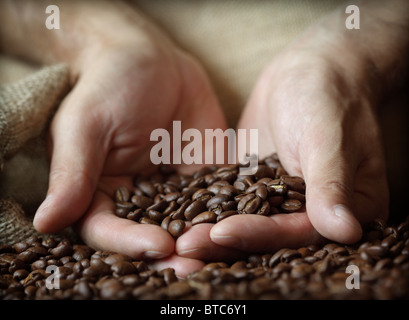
x=26, y=107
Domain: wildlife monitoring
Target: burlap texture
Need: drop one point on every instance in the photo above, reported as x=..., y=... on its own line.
x=26, y=107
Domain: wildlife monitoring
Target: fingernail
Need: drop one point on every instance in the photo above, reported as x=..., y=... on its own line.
x=155, y=254
x=188, y=252
x=226, y=240
x=346, y=215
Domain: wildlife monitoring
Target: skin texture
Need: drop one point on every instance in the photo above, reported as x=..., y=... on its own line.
x=315, y=104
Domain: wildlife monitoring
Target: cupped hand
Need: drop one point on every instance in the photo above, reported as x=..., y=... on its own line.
x=100, y=139
x=318, y=117
x=315, y=105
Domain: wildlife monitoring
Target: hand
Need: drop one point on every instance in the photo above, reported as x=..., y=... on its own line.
x=315, y=105
x=100, y=138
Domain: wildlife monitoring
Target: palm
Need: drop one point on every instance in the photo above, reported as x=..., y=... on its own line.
x=106, y=121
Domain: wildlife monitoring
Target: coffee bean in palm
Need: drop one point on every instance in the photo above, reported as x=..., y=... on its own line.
x=291, y=205
x=205, y=217
x=226, y=214
x=218, y=189
x=176, y=227
x=194, y=209
x=142, y=202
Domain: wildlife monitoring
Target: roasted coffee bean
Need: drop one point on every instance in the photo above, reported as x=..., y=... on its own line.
x=122, y=194
x=142, y=202
x=116, y=257
x=158, y=206
x=27, y=256
x=194, y=209
x=122, y=268
x=204, y=217
x=169, y=275
x=275, y=201
x=229, y=205
x=198, y=183
x=20, y=246
x=165, y=222
x=216, y=201
x=226, y=214
x=16, y=264
x=261, y=192
x=135, y=215
x=145, y=220
x=202, y=193
x=240, y=186
x=20, y=274
x=176, y=227
x=264, y=209
x=291, y=205
x=147, y=188
x=294, y=183
x=180, y=213
x=156, y=216
x=249, y=204
x=277, y=189
x=291, y=194
x=61, y=250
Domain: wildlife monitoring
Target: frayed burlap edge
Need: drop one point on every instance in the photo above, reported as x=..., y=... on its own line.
x=26, y=108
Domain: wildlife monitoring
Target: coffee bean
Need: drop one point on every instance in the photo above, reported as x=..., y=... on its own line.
x=142, y=202
x=277, y=189
x=135, y=215
x=165, y=222
x=147, y=188
x=122, y=194
x=158, y=206
x=20, y=274
x=202, y=193
x=264, y=209
x=145, y=220
x=248, y=204
x=261, y=192
x=226, y=214
x=294, y=183
x=291, y=194
x=121, y=268
x=291, y=205
x=156, y=216
x=180, y=213
x=216, y=203
x=204, y=217
x=116, y=257
x=176, y=227
x=194, y=209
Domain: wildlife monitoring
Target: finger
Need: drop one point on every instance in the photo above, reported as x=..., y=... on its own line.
x=182, y=266
x=255, y=233
x=102, y=230
x=330, y=176
x=195, y=243
x=76, y=162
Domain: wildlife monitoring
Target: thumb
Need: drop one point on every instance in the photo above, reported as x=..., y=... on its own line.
x=76, y=164
x=330, y=183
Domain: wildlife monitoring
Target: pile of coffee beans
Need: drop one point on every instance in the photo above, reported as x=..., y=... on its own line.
x=50, y=269
x=210, y=195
